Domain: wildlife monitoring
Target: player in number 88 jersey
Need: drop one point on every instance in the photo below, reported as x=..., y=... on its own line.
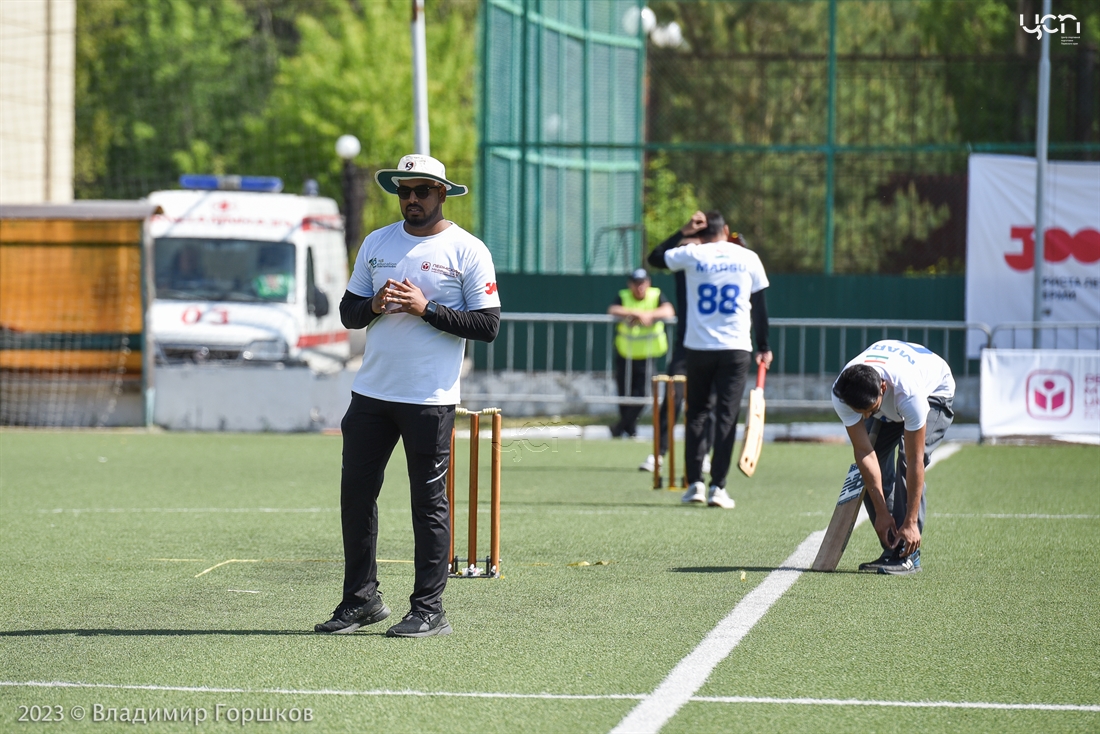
x=725, y=286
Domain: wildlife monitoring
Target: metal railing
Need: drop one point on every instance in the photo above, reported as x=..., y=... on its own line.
x=1065, y=335
x=837, y=341
x=578, y=350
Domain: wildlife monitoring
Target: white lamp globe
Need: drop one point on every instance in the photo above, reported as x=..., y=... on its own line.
x=347, y=147
x=633, y=16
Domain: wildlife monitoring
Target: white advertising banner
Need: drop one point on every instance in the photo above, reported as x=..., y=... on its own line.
x=1000, y=247
x=1040, y=392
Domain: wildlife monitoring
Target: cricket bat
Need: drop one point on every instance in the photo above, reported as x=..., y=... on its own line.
x=844, y=519
x=754, y=426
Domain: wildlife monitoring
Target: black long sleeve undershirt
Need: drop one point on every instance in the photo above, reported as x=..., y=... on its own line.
x=481, y=325
x=656, y=257
x=759, y=303
x=355, y=311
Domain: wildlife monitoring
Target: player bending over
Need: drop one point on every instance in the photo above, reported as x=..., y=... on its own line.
x=895, y=395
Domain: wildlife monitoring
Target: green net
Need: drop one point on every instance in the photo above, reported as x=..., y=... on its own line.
x=561, y=157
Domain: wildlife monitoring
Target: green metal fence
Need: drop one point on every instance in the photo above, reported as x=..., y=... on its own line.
x=561, y=137
x=833, y=133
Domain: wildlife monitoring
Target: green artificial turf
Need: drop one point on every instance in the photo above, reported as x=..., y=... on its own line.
x=111, y=543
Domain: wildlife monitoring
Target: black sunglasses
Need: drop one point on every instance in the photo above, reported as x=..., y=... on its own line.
x=421, y=192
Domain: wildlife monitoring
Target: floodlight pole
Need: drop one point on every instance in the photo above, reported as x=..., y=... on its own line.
x=421, y=143
x=830, y=149
x=1041, y=135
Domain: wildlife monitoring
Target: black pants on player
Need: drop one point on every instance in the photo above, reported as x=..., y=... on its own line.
x=678, y=366
x=888, y=437
x=724, y=371
x=371, y=428
x=631, y=378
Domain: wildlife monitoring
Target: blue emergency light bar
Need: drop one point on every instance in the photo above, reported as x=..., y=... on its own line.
x=209, y=182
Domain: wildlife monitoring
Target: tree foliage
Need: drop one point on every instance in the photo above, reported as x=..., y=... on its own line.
x=739, y=114
x=741, y=111
x=163, y=87
x=264, y=87
x=353, y=74
x=671, y=202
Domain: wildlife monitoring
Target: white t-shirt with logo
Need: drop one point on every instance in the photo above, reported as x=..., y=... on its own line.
x=912, y=374
x=407, y=360
x=720, y=277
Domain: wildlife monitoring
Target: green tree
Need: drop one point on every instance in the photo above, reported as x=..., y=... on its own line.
x=992, y=79
x=352, y=73
x=163, y=87
x=265, y=87
x=738, y=104
x=669, y=201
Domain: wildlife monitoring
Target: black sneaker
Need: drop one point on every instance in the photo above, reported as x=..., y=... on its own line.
x=903, y=566
x=420, y=624
x=888, y=557
x=347, y=618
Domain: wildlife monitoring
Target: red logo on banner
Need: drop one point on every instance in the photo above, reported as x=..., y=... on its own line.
x=1049, y=394
x=1058, y=245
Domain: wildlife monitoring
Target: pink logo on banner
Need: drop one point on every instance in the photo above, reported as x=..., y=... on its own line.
x=1049, y=394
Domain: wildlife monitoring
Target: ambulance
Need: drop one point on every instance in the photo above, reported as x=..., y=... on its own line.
x=246, y=275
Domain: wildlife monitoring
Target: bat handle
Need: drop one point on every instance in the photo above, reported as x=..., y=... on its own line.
x=761, y=370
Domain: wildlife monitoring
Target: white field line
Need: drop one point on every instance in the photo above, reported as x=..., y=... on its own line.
x=991, y=516
x=323, y=691
x=1000, y=516
x=902, y=704
x=231, y=560
x=564, y=696
x=79, y=511
x=946, y=450
x=691, y=673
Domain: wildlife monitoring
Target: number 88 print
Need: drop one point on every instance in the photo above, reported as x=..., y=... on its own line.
x=709, y=300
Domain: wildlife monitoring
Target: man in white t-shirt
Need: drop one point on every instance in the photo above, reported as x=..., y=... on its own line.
x=895, y=396
x=725, y=286
x=420, y=287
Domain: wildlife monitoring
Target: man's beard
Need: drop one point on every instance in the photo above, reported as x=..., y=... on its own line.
x=419, y=220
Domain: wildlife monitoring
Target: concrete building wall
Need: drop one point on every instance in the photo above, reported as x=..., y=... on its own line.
x=37, y=65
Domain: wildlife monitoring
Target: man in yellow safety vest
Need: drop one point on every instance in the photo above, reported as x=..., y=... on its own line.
x=639, y=338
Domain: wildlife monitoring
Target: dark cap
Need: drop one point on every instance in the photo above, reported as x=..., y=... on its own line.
x=639, y=275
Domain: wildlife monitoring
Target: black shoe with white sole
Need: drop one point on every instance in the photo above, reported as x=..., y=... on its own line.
x=888, y=557
x=903, y=566
x=347, y=618
x=420, y=624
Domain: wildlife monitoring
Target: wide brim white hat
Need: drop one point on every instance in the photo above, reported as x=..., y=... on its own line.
x=417, y=166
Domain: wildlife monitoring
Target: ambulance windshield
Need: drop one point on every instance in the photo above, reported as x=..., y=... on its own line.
x=192, y=268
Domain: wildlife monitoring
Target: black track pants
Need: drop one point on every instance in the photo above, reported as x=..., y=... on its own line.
x=371, y=428
x=888, y=438
x=723, y=371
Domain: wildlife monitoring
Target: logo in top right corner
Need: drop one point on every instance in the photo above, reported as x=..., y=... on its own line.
x=1069, y=37
x=1049, y=394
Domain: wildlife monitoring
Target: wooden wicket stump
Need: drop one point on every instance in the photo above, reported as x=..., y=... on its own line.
x=669, y=382
x=467, y=568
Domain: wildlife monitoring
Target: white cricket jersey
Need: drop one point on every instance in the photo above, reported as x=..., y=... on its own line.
x=720, y=277
x=407, y=360
x=912, y=374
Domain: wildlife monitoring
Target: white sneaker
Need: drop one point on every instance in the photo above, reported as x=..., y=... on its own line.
x=695, y=494
x=719, y=498
x=649, y=464
x=706, y=464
